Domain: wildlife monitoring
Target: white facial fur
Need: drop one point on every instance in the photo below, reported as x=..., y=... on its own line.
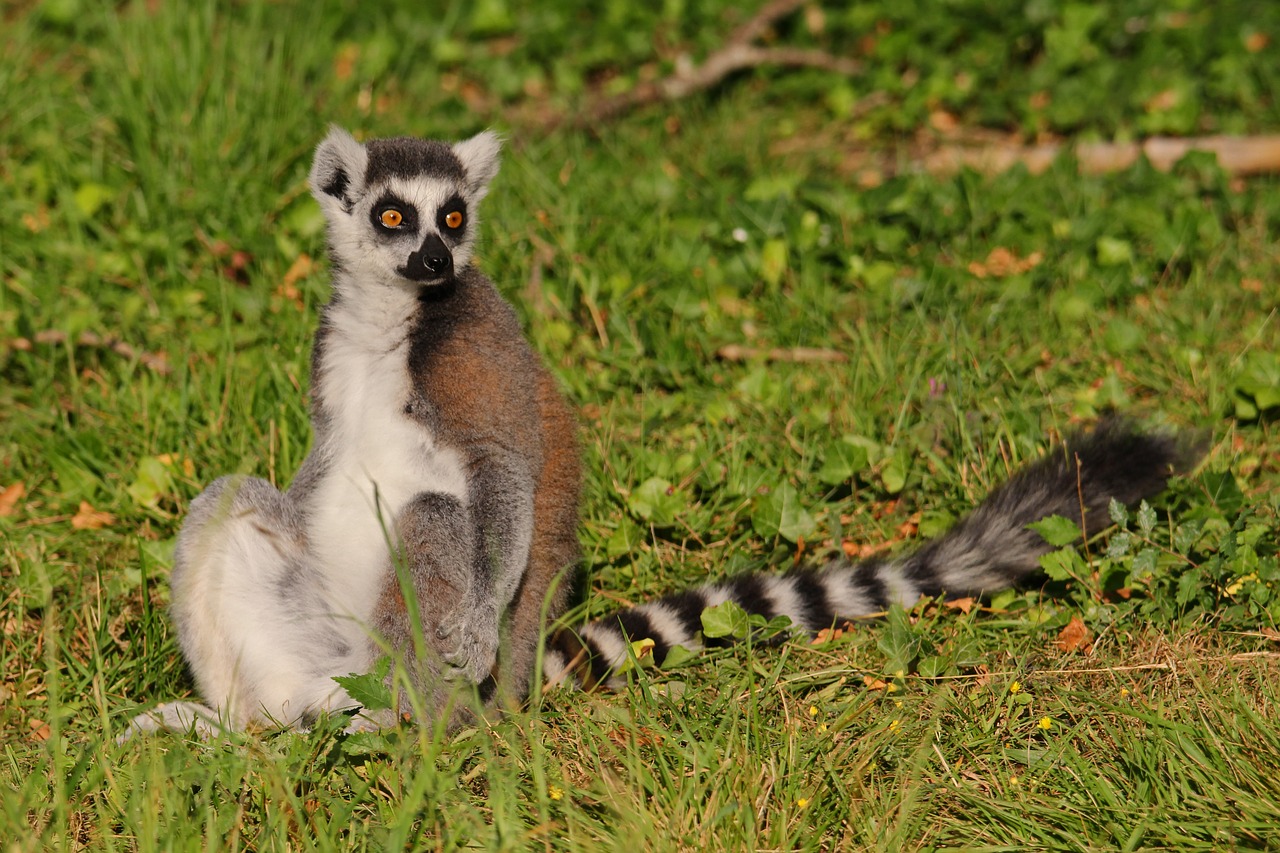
x=340, y=181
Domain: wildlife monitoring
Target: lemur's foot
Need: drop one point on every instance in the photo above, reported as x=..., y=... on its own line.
x=467, y=639
x=200, y=720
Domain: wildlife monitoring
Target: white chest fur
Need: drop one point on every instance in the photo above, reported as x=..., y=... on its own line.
x=377, y=458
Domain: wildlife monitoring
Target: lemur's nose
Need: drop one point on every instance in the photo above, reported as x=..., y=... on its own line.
x=435, y=255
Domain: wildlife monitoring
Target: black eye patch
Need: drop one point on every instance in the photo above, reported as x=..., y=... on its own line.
x=393, y=215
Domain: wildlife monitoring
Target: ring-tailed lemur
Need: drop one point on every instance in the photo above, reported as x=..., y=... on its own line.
x=442, y=489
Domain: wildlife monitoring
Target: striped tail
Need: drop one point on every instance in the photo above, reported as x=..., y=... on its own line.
x=989, y=550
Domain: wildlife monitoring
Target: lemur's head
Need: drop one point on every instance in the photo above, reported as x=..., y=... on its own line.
x=403, y=210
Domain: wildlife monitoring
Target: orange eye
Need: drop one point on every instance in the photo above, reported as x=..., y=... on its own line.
x=453, y=219
x=391, y=218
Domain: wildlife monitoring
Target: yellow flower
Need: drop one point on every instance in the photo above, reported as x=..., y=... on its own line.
x=894, y=725
x=555, y=792
x=1045, y=723
x=1013, y=780
x=1015, y=687
x=802, y=802
x=813, y=711
x=1124, y=691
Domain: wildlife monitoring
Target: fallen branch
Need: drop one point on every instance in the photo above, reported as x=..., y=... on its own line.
x=737, y=54
x=1239, y=155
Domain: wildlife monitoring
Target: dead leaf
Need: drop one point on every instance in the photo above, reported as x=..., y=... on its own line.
x=873, y=683
x=88, y=518
x=1256, y=42
x=639, y=737
x=1002, y=263
x=826, y=635
x=344, y=63
x=943, y=122
x=301, y=267
x=178, y=460
x=964, y=605
x=1075, y=637
x=911, y=526
x=1271, y=634
x=1163, y=101
x=38, y=221
x=9, y=498
x=39, y=730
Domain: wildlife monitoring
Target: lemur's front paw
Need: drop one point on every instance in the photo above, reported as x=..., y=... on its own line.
x=467, y=640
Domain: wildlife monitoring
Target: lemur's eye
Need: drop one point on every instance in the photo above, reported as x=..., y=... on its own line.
x=453, y=219
x=391, y=217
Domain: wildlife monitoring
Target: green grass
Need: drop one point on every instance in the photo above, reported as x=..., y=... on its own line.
x=152, y=194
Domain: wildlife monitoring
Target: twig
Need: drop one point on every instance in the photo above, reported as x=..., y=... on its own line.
x=739, y=352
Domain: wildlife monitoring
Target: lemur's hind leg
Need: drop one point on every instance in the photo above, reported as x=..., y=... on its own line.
x=435, y=637
x=254, y=621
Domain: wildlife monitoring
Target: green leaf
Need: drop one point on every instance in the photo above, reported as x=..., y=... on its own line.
x=1186, y=535
x=1119, y=545
x=933, y=666
x=90, y=197
x=624, y=540
x=1146, y=519
x=1113, y=252
x=773, y=262
x=1122, y=336
x=772, y=185
x=1061, y=565
x=1189, y=587
x=151, y=481
x=780, y=513
x=935, y=522
x=893, y=476
x=370, y=689
x=491, y=18
x=725, y=620
x=900, y=641
x=842, y=461
x=1257, y=388
x=1119, y=513
x=641, y=654
x=1144, y=563
x=1223, y=490
x=1056, y=530
x=360, y=744
x=678, y=656
x=657, y=502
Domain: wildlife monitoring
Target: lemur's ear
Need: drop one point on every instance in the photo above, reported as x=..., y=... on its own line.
x=338, y=170
x=479, y=158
